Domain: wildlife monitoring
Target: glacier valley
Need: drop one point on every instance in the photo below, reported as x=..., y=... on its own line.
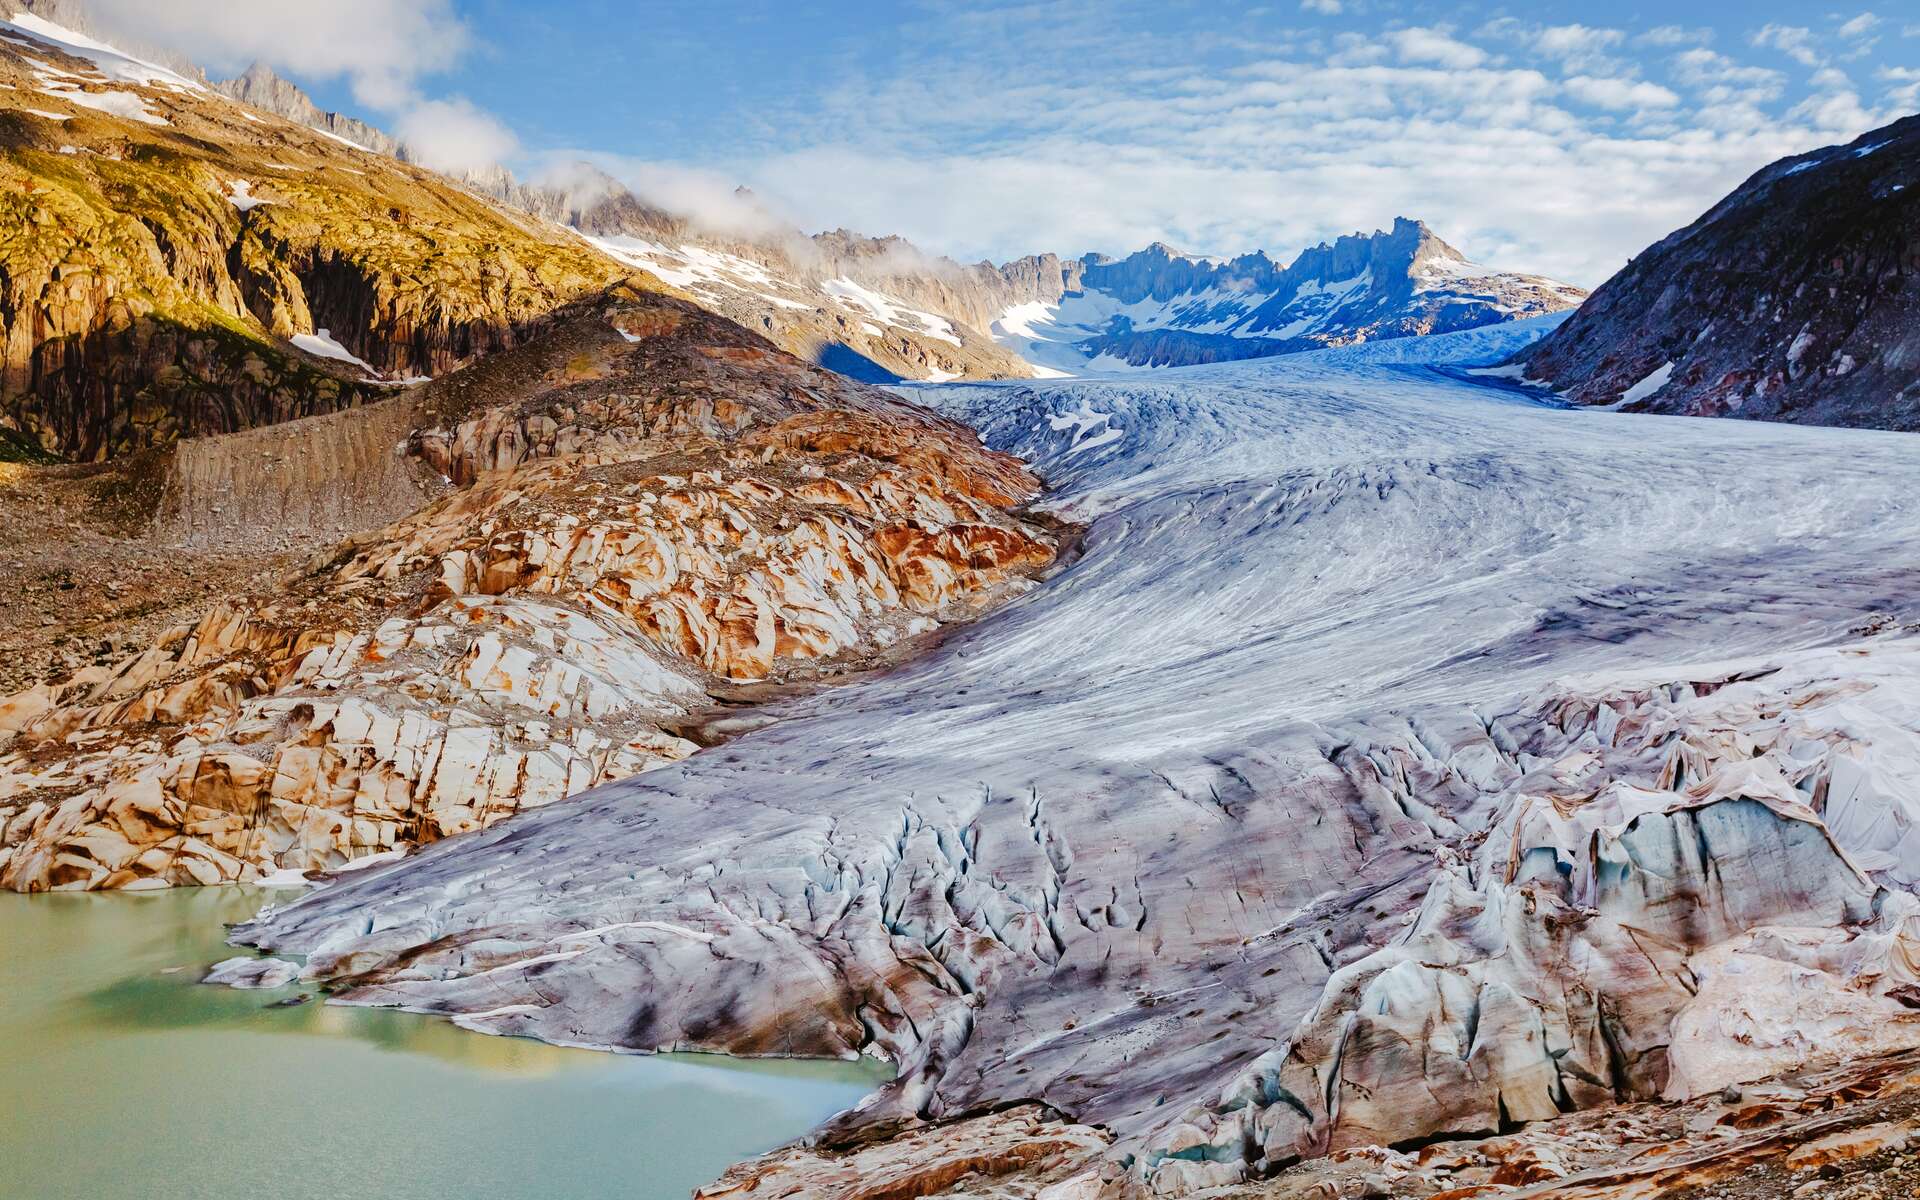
x=1398, y=757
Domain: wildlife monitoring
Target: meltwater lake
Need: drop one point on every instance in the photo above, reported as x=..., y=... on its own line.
x=121, y=1076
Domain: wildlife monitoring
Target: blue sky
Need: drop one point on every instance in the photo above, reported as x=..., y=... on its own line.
x=1553, y=136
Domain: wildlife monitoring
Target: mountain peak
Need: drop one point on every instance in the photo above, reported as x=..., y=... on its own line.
x=267, y=90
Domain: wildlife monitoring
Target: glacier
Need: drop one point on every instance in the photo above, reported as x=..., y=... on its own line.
x=1390, y=733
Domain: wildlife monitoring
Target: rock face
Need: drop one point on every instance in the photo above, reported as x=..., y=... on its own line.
x=1351, y=786
x=1796, y=298
x=259, y=87
x=955, y=1159
x=645, y=504
x=167, y=249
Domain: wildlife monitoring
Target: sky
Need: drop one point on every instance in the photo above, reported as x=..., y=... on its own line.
x=1547, y=136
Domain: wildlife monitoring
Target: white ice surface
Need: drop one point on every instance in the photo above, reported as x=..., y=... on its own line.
x=1333, y=532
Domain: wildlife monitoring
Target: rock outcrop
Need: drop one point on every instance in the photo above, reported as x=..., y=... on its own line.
x=1796, y=298
x=646, y=504
x=960, y=1158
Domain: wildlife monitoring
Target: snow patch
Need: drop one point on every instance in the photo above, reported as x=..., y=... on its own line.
x=1648, y=386
x=889, y=311
x=1510, y=371
x=343, y=141
x=284, y=877
x=114, y=64
x=240, y=191
x=370, y=860
x=125, y=105
x=321, y=344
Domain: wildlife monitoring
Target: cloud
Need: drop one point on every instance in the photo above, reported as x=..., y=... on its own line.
x=710, y=199
x=1618, y=93
x=1330, y=8
x=1707, y=68
x=454, y=136
x=1839, y=113
x=1796, y=42
x=980, y=150
x=1904, y=94
x=1421, y=45
x=1860, y=26
x=1675, y=35
x=1575, y=41
x=381, y=46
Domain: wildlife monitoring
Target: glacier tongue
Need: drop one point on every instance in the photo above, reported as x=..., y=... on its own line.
x=1385, y=721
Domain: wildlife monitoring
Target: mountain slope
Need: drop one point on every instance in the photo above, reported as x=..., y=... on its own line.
x=822, y=308
x=177, y=264
x=1161, y=308
x=1796, y=298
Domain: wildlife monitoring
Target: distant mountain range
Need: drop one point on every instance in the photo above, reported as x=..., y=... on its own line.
x=882, y=310
x=1162, y=308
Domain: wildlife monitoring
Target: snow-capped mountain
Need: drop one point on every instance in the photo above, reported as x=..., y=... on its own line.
x=1162, y=308
x=1155, y=308
x=1793, y=299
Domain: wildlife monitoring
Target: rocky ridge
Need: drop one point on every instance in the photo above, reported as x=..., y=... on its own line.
x=642, y=507
x=1796, y=298
x=1157, y=307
